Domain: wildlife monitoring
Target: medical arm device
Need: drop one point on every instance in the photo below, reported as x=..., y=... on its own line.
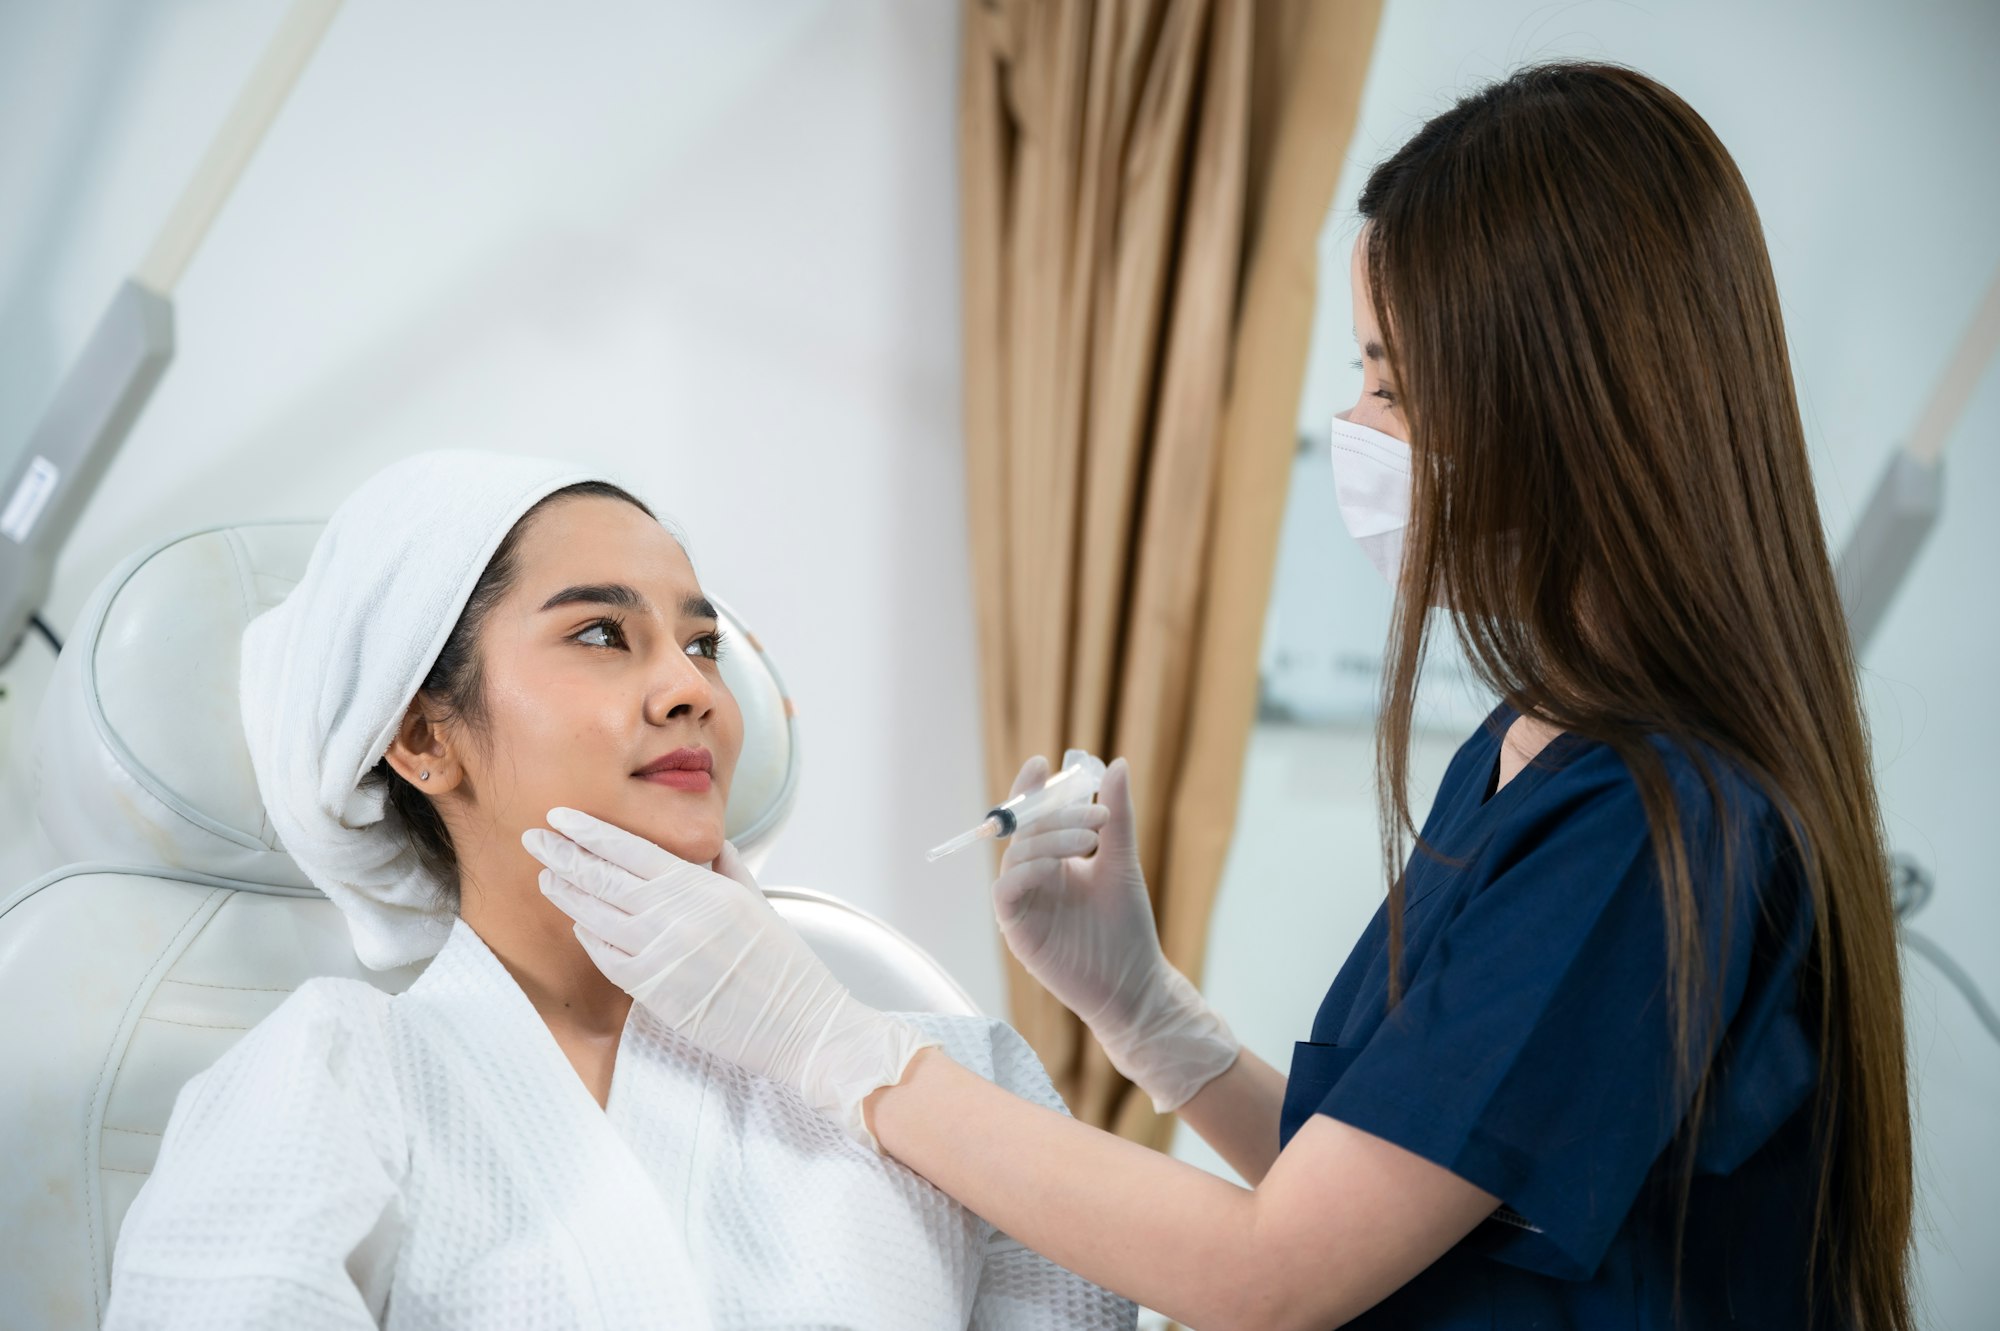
x=1878, y=557
x=127, y=353
x=1904, y=507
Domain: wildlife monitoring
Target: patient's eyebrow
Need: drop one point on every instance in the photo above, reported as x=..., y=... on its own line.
x=598, y=593
x=693, y=606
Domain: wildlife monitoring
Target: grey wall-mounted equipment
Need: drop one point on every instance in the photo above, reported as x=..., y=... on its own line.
x=97, y=402
x=1899, y=515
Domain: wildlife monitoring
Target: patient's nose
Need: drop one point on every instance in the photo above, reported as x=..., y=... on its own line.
x=681, y=691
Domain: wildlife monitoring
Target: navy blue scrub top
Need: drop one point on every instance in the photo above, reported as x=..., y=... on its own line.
x=1532, y=1052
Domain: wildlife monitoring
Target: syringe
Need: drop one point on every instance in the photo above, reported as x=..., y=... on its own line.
x=1075, y=783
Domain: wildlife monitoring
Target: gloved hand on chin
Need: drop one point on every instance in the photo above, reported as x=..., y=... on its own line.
x=709, y=956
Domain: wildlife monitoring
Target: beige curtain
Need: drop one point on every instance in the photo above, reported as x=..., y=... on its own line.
x=1142, y=187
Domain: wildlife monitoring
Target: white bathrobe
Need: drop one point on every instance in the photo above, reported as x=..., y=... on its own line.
x=433, y=1160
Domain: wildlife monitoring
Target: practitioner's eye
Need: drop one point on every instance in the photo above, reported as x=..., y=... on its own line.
x=1388, y=395
x=612, y=629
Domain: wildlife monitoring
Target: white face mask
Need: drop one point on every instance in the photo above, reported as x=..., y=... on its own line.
x=1371, y=475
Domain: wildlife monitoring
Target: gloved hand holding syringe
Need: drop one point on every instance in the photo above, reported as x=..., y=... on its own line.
x=1075, y=783
x=1071, y=901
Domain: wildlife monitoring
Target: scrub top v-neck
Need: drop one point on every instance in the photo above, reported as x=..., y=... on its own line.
x=1532, y=1051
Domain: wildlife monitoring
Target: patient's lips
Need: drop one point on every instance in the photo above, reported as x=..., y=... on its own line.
x=683, y=769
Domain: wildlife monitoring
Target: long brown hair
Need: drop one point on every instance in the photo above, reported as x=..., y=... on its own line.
x=1611, y=493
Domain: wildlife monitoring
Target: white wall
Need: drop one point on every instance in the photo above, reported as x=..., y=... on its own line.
x=1867, y=136
x=714, y=244
x=710, y=245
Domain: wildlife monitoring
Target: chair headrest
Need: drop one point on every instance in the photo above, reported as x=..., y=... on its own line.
x=139, y=754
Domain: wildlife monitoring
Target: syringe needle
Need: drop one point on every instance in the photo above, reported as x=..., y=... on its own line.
x=984, y=832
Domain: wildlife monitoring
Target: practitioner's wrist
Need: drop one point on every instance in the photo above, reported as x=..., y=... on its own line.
x=1172, y=1043
x=860, y=1051
x=919, y=1068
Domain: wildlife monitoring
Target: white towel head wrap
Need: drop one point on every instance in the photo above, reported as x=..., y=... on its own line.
x=329, y=672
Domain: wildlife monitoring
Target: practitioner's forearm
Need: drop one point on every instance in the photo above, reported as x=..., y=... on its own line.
x=1135, y=1221
x=1238, y=1115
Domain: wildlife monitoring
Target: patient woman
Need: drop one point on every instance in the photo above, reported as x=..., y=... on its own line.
x=512, y=1142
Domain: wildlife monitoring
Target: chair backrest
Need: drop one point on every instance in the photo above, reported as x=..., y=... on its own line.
x=183, y=922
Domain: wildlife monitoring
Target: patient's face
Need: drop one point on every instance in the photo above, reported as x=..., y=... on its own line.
x=598, y=664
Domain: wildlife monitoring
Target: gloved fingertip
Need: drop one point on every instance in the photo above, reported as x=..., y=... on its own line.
x=729, y=863
x=1033, y=772
x=562, y=814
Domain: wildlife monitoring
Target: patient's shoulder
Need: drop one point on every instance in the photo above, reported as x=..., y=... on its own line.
x=281, y=1151
x=325, y=1011
x=339, y=997
x=326, y=1034
x=309, y=1092
x=994, y=1050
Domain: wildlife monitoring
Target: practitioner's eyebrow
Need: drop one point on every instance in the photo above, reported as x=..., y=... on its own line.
x=697, y=606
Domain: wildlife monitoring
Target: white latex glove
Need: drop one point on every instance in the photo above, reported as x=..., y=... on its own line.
x=707, y=954
x=1073, y=906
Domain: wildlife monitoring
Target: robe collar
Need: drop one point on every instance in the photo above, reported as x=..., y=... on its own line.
x=609, y=1196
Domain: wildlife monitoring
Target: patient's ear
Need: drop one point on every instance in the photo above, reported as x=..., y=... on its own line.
x=422, y=752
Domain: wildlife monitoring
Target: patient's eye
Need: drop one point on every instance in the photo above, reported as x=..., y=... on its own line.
x=613, y=630
x=708, y=645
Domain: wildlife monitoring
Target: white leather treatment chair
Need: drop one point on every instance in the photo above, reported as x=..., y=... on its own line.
x=182, y=922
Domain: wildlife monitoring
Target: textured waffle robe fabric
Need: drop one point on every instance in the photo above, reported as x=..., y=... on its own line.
x=433, y=1160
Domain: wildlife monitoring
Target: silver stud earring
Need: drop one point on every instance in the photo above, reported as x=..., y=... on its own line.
x=423, y=776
